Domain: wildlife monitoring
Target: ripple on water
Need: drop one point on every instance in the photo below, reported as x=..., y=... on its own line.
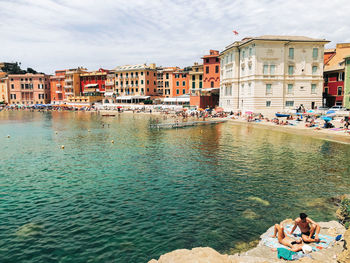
x=152, y=191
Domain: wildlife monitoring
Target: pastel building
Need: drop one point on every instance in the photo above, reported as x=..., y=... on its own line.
x=165, y=81
x=334, y=70
x=272, y=73
x=180, y=79
x=346, y=98
x=135, y=83
x=57, y=83
x=4, y=98
x=29, y=89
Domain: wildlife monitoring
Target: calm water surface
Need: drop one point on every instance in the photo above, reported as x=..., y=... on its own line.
x=152, y=191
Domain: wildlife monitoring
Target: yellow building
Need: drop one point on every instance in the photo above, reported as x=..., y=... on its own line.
x=4, y=98
x=196, y=78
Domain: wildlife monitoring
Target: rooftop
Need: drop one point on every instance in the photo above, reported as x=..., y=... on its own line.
x=335, y=62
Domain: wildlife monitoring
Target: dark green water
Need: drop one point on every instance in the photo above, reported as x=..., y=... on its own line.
x=152, y=191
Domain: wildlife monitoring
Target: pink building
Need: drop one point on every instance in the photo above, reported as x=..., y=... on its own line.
x=29, y=89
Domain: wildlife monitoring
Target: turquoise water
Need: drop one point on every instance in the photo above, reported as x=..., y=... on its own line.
x=152, y=191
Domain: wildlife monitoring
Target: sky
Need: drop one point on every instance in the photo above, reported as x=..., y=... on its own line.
x=49, y=35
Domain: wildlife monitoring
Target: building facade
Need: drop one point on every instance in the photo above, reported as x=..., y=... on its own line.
x=57, y=87
x=211, y=70
x=29, y=89
x=272, y=73
x=346, y=98
x=180, y=85
x=334, y=73
x=134, y=82
x=4, y=98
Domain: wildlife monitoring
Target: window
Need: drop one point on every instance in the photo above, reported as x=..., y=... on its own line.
x=291, y=53
x=268, y=103
x=290, y=70
x=341, y=76
x=326, y=90
x=216, y=69
x=147, y=89
x=207, y=69
x=217, y=59
x=250, y=67
x=183, y=91
x=314, y=69
x=268, y=89
x=315, y=53
x=116, y=83
x=265, y=71
x=290, y=103
x=272, y=69
x=212, y=84
x=177, y=91
x=177, y=83
x=193, y=77
x=116, y=75
x=250, y=52
x=147, y=82
x=183, y=83
x=12, y=86
x=243, y=55
x=313, y=88
x=193, y=85
x=200, y=77
x=200, y=85
x=147, y=73
x=141, y=73
x=141, y=81
x=167, y=75
x=290, y=88
x=339, y=91
x=207, y=60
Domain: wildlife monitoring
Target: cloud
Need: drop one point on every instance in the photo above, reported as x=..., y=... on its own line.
x=49, y=35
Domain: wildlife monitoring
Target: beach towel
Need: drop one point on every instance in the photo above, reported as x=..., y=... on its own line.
x=268, y=241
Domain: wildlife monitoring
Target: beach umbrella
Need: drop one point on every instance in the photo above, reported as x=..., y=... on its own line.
x=310, y=111
x=248, y=112
x=326, y=118
x=330, y=112
x=219, y=109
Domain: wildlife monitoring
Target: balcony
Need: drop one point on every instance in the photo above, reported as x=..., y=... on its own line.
x=58, y=91
x=69, y=93
x=58, y=85
x=67, y=81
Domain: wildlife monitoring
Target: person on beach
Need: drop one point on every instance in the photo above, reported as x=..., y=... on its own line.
x=294, y=245
x=309, y=229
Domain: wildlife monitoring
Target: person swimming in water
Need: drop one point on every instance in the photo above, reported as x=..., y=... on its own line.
x=294, y=245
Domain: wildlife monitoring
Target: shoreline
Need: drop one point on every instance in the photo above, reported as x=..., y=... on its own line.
x=318, y=134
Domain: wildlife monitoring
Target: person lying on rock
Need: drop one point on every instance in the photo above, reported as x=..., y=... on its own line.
x=308, y=228
x=294, y=245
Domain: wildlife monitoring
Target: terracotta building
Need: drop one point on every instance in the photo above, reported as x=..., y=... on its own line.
x=57, y=83
x=334, y=74
x=211, y=70
x=180, y=79
x=29, y=89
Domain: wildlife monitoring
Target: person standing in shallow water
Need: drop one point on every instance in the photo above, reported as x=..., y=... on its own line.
x=308, y=228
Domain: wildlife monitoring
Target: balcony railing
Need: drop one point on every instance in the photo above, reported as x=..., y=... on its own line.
x=68, y=86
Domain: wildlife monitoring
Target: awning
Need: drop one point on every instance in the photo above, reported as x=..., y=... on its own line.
x=124, y=98
x=141, y=97
x=90, y=85
x=176, y=99
x=210, y=89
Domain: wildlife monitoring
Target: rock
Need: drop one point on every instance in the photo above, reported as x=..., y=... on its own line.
x=29, y=229
x=198, y=255
x=259, y=200
x=344, y=257
x=250, y=214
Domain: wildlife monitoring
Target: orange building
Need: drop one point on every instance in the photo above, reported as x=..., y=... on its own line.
x=211, y=70
x=180, y=79
x=57, y=83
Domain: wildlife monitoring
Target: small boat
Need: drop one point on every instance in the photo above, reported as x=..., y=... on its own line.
x=108, y=115
x=281, y=115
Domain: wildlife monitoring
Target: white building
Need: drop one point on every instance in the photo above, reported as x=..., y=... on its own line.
x=272, y=73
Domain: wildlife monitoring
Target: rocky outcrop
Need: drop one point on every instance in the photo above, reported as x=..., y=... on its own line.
x=344, y=257
x=263, y=254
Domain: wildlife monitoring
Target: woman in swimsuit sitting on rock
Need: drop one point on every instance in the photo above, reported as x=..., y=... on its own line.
x=285, y=240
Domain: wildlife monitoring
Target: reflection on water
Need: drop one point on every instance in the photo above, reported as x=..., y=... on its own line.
x=152, y=191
